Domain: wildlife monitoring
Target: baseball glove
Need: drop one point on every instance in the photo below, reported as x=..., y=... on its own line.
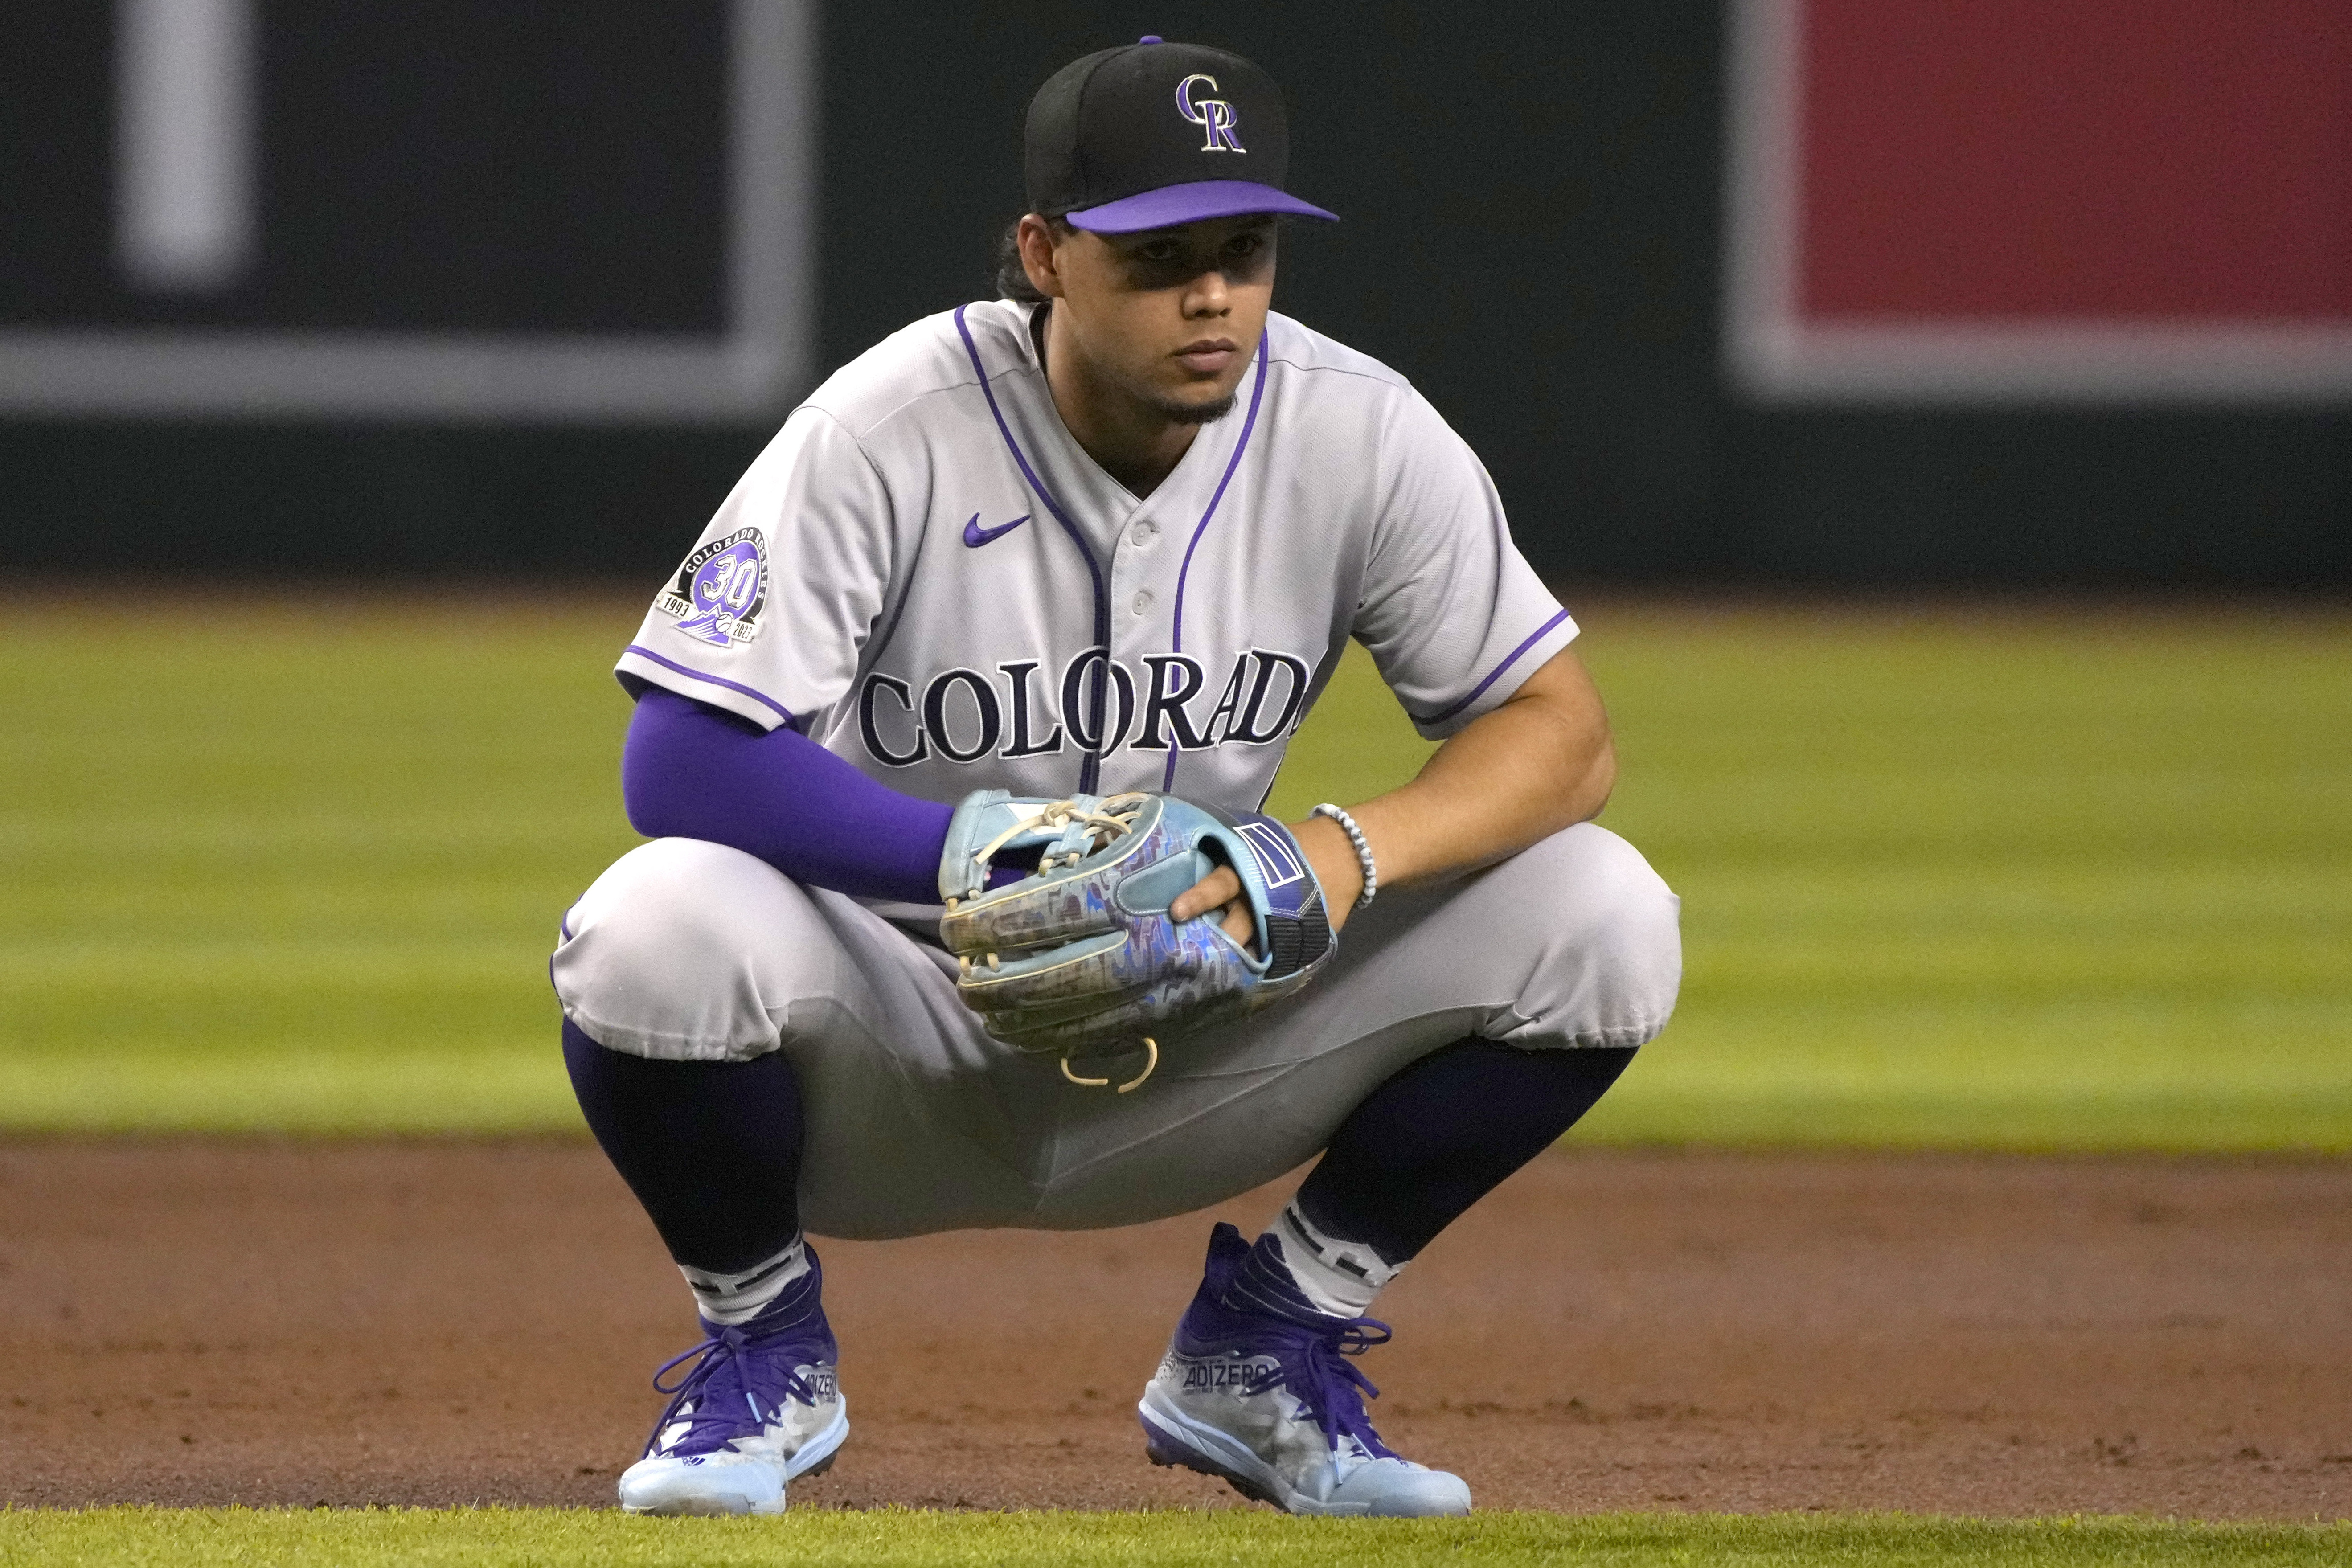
x=1080, y=956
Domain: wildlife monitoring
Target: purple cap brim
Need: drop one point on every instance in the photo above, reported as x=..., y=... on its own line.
x=1172, y=205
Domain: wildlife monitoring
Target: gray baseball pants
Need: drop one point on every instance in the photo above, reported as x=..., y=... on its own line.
x=918, y=1121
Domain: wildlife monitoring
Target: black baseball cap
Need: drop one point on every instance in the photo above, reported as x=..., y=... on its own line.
x=1151, y=134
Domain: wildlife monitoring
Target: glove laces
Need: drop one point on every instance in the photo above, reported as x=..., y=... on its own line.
x=1107, y=822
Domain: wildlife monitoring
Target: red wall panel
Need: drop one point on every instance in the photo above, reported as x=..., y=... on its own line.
x=2103, y=160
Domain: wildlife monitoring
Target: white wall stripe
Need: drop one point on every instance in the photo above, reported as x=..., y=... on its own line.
x=766, y=355
x=184, y=125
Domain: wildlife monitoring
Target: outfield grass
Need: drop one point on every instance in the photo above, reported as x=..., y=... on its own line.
x=358, y=1538
x=2047, y=882
x=2041, y=880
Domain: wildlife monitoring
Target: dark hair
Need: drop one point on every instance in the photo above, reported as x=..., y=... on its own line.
x=1012, y=278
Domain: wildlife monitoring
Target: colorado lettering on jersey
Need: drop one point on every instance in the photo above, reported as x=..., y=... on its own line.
x=1092, y=706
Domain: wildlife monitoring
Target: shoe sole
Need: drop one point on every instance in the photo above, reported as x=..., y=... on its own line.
x=1165, y=1451
x=699, y=1509
x=1170, y=1439
x=1173, y=1438
x=816, y=1456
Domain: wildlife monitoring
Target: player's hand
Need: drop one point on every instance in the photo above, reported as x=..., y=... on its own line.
x=1336, y=867
x=1220, y=889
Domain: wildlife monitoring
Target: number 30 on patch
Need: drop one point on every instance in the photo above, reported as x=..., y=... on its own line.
x=721, y=589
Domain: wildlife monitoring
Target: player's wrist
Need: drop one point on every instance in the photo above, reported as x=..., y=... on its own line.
x=1337, y=868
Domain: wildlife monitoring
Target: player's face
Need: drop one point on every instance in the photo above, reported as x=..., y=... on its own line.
x=1170, y=316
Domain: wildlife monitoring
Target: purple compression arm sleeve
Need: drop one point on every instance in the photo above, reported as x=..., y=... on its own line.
x=690, y=771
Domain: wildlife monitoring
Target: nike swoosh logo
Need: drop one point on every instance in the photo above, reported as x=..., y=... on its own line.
x=976, y=536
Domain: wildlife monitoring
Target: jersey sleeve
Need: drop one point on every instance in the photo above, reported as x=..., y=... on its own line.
x=1450, y=610
x=766, y=615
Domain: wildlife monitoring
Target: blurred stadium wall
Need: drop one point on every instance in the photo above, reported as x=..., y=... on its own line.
x=2023, y=293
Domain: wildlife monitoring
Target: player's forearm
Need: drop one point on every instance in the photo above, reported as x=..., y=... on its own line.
x=1518, y=775
x=690, y=771
x=1540, y=763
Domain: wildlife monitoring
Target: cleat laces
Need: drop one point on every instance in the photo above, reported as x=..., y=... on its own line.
x=731, y=1368
x=1312, y=1367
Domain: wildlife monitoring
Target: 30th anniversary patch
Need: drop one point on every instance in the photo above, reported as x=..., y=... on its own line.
x=721, y=589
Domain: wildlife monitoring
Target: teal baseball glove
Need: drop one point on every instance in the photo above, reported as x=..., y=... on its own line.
x=1080, y=956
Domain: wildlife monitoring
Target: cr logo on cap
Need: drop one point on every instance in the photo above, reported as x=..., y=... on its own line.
x=1212, y=114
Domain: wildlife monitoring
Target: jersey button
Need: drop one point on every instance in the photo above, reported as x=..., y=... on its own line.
x=1143, y=602
x=1144, y=533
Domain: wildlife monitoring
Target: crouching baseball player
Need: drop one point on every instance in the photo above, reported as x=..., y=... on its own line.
x=959, y=911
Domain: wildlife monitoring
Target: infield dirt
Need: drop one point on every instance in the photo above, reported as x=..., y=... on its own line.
x=434, y=1324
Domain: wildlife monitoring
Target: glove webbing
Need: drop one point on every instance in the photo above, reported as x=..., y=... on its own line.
x=1110, y=823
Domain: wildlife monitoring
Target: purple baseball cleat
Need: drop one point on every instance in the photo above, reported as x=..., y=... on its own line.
x=1259, y=1392
x=761, y=1406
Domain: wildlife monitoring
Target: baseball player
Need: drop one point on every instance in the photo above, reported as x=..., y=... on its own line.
x=949, y=739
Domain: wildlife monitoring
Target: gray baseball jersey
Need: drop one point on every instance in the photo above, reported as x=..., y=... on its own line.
x=927, y=575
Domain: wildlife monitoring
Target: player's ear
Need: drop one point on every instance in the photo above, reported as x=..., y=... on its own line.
x=1035, y=238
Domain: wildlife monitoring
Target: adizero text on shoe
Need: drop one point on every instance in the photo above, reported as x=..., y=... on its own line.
x=760, y=1406
x=1270, y=1403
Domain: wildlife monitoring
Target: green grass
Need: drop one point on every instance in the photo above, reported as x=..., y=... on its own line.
x=356, y=1539
x=2029, y=880
x=298, y=869
x=2046, y=881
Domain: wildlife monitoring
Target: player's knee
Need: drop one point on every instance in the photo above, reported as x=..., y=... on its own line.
x=1610, y=961
x=671, y=954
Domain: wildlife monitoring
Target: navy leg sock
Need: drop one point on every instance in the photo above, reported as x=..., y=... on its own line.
x=711, y=1149
x=1442, y=1133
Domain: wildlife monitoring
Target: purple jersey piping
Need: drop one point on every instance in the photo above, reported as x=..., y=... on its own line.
x=1176, y=632
x=1510, y=659
x=676, y=667
x=1090, y=771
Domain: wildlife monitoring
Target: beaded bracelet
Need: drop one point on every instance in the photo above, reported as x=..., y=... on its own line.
x=1363, y=850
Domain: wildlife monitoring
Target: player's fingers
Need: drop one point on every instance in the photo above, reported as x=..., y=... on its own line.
x=1218, y=889
x=1238, y=924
